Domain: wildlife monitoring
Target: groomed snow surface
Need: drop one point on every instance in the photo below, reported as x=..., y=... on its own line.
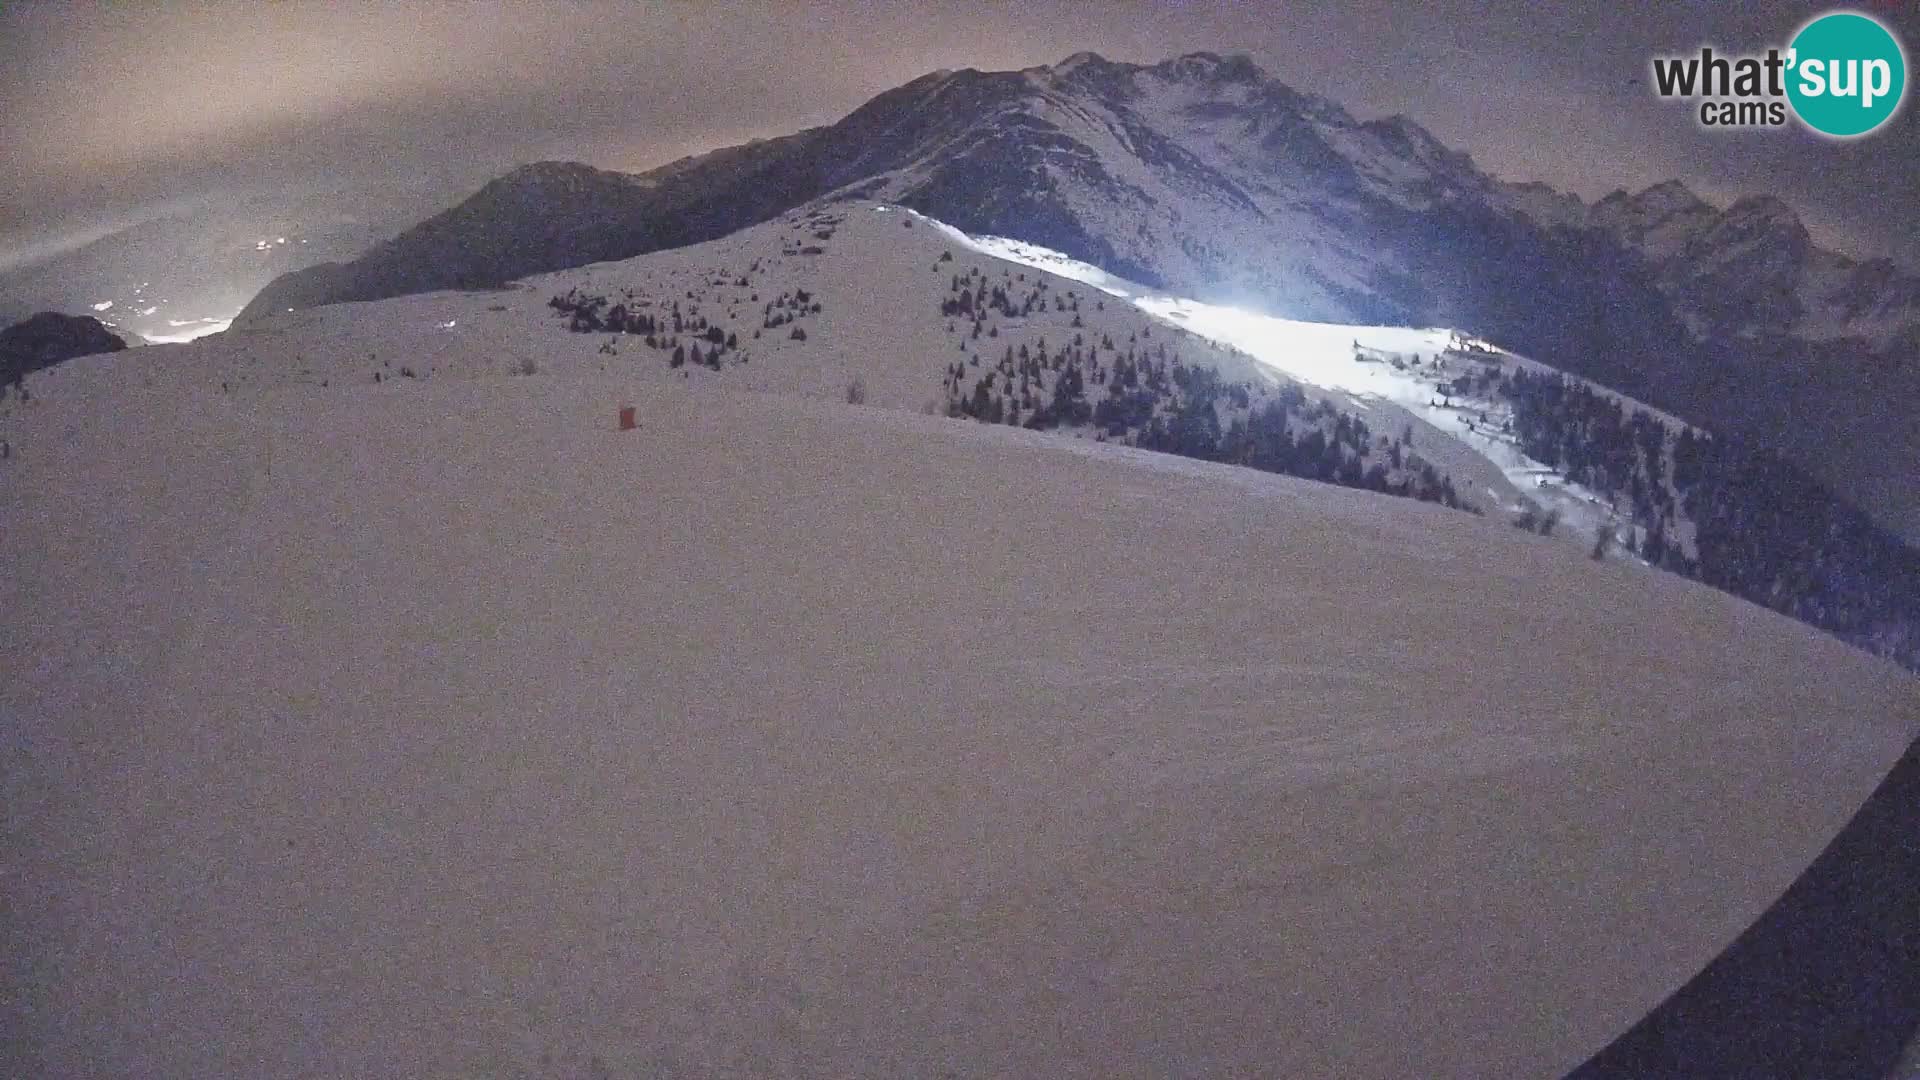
x=440, y=729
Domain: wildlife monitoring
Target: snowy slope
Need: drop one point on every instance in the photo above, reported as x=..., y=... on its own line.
x=878, y=275
x=1409, y=369
x=1749, y=271
x=445, y=730
x=1211, y=178
x=1202, y=173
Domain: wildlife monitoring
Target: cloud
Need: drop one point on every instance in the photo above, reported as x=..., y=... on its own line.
x=110, y=106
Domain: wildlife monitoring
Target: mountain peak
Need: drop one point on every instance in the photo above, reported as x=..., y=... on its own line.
x=1762, y=223
x=1089, y=69
x=544, y=170
x=1084, y=58
x=1203, y=65
x=1663, y=214
x=1404, y=130
x=543, y=180
x=1669, y=197
x=1542, y=189
x=1763, y=207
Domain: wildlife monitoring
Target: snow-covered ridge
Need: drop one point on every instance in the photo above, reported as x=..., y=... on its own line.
x=1413, y=368
x=840, y=292
x=882, y=282
x=365, y=682
x=1212, y=179
x=1568, y=457
x=440, y=727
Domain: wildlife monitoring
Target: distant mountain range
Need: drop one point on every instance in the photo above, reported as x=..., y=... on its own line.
x=1206, y=176
x=189, y=270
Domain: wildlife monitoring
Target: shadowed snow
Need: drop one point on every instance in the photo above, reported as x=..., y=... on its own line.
x=440, y=728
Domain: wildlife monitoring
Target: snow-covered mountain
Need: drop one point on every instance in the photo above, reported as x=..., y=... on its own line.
x=926, y=317
x=1209, y=178
x=923, y=316
x=1203, y=174
x=1749, y=271
x=49, y=338
x=375, y=699
x=929, y=318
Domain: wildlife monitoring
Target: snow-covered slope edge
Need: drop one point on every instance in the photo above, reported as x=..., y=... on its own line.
x=850, y=298
x=1208, y=176
x=449, y=730
x=817, y=300
x=1588, y=462
x=1418, y=370
x=877, y=327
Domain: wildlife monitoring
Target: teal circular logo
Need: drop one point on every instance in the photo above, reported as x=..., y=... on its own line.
x=1846, y=74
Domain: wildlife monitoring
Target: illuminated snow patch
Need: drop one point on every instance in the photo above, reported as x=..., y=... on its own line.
x=1040, y=258
x=1407, y=366
x=1323, y=354
x=197, y=328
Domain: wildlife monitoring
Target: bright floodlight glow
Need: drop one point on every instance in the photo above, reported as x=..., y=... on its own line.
x=197, y=328
x=1392, y=364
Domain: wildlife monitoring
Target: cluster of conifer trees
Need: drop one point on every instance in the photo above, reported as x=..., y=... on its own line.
x=685, y=335
x=1141, y=394
x=1763, y=529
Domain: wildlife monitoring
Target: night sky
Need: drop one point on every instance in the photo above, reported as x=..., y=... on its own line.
x=107, y=113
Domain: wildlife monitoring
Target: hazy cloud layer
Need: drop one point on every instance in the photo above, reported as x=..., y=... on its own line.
x=105, y=109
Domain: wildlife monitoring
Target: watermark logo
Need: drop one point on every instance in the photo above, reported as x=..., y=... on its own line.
x=1843, y=75
x=1851, y=74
